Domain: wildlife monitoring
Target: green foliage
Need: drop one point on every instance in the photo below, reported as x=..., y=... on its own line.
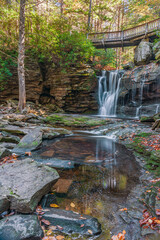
x=73, y=49
x=158, y=37
x=5, y=72
x=105, y=57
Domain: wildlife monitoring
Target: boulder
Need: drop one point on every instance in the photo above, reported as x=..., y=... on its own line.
x=71, y=222
x=20, y=227
x=30, y=142
x=24, y=183
x=4, y=152
x=143, y=53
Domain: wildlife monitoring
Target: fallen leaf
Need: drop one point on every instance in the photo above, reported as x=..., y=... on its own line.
x=158, y=212
x=123, y=209
x=82, y=225
x=59, y=237
x=28, y=153
x=72, y=205
x=54, y=205
x=45, y=221
x=53, y=228
x=81, y=217
x=157, y=221
x=59, y=227
x=49, y=238
x=49, y=232
x=90, y=231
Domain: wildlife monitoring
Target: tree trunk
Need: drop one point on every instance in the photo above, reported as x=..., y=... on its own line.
x=21, y=56
x=89, y=16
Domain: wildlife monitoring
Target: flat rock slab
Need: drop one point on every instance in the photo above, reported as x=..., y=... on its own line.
x=20, y=227
x=62, y=185
x=30, y=142
x=57, y=163
x=14, y=130
x=24, y=183
x=73, y=222
x=51, y=133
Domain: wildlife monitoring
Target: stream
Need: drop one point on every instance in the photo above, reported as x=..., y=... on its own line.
x=96, y=175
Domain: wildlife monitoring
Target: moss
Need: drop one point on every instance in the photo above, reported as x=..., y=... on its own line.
x=74, y=121
x=152, y=158
x=34, y=143
x=146, y=119
x=144, y=134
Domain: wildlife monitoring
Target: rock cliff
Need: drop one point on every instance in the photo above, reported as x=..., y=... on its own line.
x=70, y=92
x=140, y=87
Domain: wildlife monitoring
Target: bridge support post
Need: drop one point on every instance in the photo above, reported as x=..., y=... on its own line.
x=122, y=39
x=146, y=31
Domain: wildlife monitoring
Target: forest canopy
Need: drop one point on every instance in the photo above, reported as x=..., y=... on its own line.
x=56, y=30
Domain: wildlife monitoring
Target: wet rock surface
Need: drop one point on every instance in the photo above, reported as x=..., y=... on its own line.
x=139, y=88
x=30, y=142
x=109, y=208
x=71, y=222
x=16, y=184
x=20, y=227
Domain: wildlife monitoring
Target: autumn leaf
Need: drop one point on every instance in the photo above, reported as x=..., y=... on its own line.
x=157, y=221
x=123, y=209
x=158, y=212
x=90, y=231
x=53, y=228
x=49, y=238
x=59, y=237
x=45, y=221
x=59, y=227
x=49, y=232
x=28, y=153
x=72, y=205
x=119, y=236
x=82, y=225
x=155, y=180
x=53, y=205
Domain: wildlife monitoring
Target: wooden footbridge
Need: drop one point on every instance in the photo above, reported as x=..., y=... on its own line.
x=125, y=38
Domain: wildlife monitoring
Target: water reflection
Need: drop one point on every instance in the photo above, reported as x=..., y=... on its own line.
x=97, y=160
x=104, y=172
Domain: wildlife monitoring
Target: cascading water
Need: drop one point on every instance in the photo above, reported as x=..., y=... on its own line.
x=108, y=92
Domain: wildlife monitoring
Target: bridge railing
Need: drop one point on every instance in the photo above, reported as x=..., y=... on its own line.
x=130, y=33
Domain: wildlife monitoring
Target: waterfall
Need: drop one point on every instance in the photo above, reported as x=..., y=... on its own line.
x=108, y=91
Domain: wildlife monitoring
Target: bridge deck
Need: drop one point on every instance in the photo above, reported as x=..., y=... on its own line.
x=126, y=38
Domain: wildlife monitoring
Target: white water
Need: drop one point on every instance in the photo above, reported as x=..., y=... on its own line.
x=108, y=91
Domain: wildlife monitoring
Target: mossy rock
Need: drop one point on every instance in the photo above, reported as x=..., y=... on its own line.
x=72, y=121
x=146, y=119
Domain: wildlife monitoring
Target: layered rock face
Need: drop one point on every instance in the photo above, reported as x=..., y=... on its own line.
x=140, y=88
x=70, y=92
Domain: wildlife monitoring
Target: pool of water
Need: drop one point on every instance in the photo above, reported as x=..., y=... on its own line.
x=99, y=175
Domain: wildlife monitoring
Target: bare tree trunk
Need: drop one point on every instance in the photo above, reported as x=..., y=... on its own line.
x=62, y=3
x=89, y=16
x=21, y=56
